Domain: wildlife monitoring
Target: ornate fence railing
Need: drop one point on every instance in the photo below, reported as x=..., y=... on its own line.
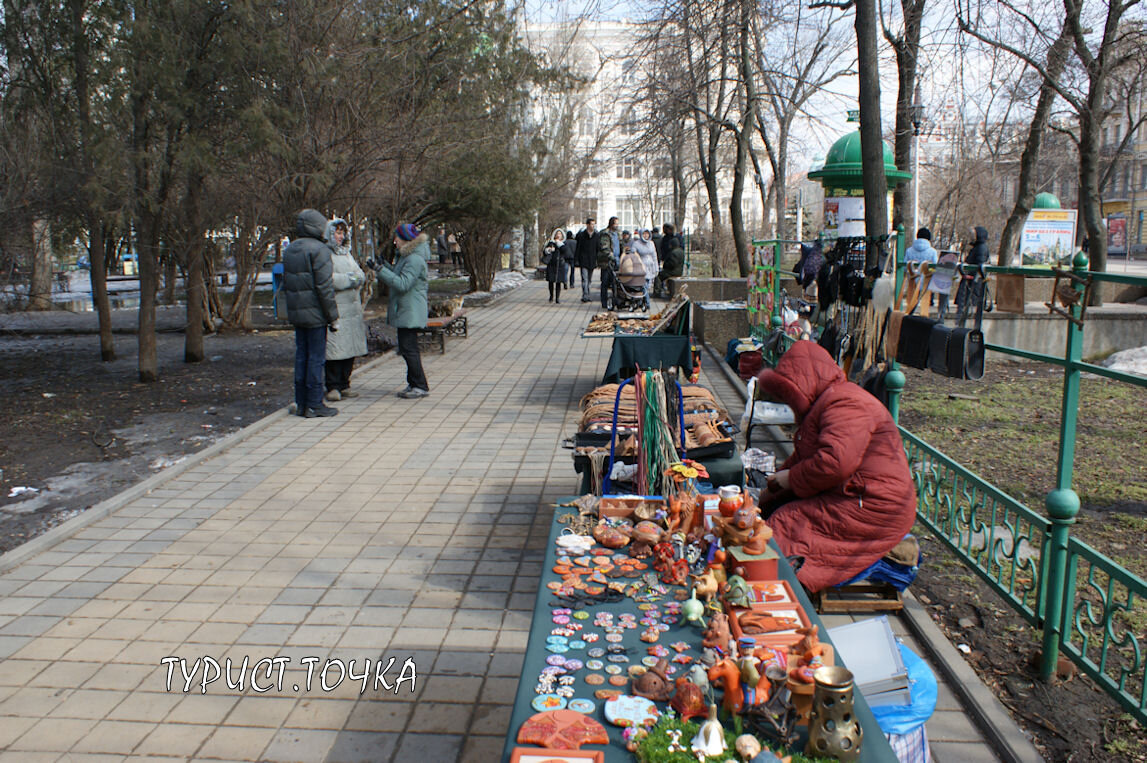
x=1088, y=606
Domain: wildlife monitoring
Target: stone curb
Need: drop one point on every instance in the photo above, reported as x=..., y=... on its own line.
x=62, y=532
x=1007, y=740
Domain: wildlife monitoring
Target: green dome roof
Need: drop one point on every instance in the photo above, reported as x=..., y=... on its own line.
x=1045, y=200
x=842, y=166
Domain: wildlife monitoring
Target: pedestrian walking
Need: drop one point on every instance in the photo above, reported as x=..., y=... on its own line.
x=350, y=341
x=408, y=308
x=586, y=254
x=442, y=247
x=608, y=256
x=311, y=309
x=557, y=267
x=455, y=250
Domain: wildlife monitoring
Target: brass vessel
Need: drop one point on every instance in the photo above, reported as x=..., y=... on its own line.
x=833, y=728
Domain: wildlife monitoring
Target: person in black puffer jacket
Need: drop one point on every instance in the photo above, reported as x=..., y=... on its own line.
x=311, y=308
x=971, y=290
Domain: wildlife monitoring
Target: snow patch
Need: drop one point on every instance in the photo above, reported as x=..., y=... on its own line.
x=1133, y=361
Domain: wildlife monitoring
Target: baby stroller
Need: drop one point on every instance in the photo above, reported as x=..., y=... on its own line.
x=624, y=290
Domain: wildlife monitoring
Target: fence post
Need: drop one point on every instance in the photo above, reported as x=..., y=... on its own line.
x=894, y=383
x=1063, y=502
x=778, y=308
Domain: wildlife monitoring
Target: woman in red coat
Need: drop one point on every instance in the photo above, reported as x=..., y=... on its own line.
x=851, y=495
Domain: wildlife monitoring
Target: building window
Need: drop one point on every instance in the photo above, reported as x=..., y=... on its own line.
x=1143, y=175
x=629, y=213
x=1126, y=180
x=586, y=122
x=627, y=168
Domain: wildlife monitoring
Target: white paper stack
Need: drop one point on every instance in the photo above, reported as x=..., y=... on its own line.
x=869, y=650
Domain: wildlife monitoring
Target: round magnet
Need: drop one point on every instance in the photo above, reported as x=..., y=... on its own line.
x=613, y=670
x=555, y=659
x=544, y=702
x=577, y=645
x=556, y=639
x=595, y=679
x=596, y=651
x=557, y=648
x=581, y=614
x=581, y=705
x=594, y=664
x=572, y=665
x=618, y=680
x=649, y=661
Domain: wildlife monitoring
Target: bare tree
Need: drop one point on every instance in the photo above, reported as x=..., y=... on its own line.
x=906, y=44
x=1103, y=44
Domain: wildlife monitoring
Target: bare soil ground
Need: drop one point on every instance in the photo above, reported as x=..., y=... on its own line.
x=1008, y=434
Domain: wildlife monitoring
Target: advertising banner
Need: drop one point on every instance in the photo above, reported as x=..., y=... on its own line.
x=1048, y=238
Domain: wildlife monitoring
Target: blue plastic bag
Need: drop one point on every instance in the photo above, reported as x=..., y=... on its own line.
x=904, y=719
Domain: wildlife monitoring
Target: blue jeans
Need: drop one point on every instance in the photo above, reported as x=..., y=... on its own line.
x=586, y=277
x=310, y=355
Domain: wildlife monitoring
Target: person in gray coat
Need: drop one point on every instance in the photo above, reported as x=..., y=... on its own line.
x=311, y=308
x=407, y=308
x=350, y=342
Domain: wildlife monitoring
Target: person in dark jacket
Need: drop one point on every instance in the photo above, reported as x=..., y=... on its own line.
x=672, y=263
x=554, y=257
x=585, y=247
x=608, y=256
x=971, y=289
x=666, y=241
x=569, y=252
x=311, y=309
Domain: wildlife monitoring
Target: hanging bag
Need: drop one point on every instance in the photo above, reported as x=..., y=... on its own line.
x=914, y=338
x=966, y=351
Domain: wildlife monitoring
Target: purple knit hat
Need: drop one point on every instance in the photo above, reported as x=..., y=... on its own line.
x=407, y=231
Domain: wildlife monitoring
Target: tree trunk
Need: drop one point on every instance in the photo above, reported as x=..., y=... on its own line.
x=741, y=242
x=147, y=245
x=193, y=351
x=169, y=274
x=907, y=48
x=99, y=239
x=871, y=143
x=40, y=284
x=1089, y=197
x=1025, y=190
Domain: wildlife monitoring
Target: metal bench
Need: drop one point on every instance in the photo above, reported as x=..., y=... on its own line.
x=437, y=329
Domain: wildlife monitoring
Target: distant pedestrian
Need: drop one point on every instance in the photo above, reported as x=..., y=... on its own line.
x=971, y=290
x=408, y=307
x=586, y=253
x=645, y=249
x=442, y=245
x=311, y=309
x=918, y=255
x=571, y=255
x=557, y=267
x=455, y=250
x=608, y=256
x=350, y=342
x=656, y=238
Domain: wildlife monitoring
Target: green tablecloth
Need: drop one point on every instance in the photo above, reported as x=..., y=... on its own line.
x=875, y=748
x=648, y=352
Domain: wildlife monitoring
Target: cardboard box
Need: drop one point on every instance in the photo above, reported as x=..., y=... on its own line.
x=757, y=567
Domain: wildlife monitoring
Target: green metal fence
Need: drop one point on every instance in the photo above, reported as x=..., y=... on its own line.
x=1088, y=606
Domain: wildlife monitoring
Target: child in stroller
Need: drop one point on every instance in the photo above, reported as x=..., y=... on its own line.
x=624, y=286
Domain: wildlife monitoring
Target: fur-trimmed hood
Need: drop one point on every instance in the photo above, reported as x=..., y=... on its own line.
x=407, y=247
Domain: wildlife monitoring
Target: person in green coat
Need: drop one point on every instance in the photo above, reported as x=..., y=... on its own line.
x=408, y=307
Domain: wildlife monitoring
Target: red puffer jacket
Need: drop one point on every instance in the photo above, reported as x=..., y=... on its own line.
x=855, y=498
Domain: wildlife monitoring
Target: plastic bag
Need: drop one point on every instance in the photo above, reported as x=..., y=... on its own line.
x=903, y=719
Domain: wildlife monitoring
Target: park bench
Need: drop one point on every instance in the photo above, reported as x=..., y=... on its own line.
x=437, y=329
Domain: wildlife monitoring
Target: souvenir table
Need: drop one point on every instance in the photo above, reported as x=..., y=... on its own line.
x=647, y=352
x=546, y=649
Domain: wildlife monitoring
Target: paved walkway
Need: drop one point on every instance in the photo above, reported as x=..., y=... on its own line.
x=410, y=530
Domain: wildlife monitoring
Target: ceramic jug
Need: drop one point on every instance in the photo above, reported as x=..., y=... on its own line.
x=730, y=499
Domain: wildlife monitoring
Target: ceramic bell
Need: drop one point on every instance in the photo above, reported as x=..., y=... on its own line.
x=710, y=740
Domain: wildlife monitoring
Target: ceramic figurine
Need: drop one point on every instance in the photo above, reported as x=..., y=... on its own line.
x=718, y=635
x=745, y=528
x=747, y=747
x=699, y=677
x=710, y=740
x=705, y=585
x=735, y=591
x=610, y=537
x=645, y=536
x=688, y=700
x=729, y=499
x=654, y=683
x=692, y=611
x=709, y=657
x=726, y=676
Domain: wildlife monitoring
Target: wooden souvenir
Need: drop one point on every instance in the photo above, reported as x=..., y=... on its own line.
x=769, y=624
x=756, y=566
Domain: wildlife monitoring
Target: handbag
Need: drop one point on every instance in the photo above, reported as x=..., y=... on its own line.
x=966, y=351
x=938, y=349
x=914, y=338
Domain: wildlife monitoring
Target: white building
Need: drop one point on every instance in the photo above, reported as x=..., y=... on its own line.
x=626, y=179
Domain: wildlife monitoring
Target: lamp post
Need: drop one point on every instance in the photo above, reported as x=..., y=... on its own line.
x=916, y=114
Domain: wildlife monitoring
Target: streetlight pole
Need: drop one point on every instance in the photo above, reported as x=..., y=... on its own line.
x=916, y=114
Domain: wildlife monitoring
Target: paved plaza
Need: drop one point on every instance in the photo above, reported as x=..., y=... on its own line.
x=404, y=530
